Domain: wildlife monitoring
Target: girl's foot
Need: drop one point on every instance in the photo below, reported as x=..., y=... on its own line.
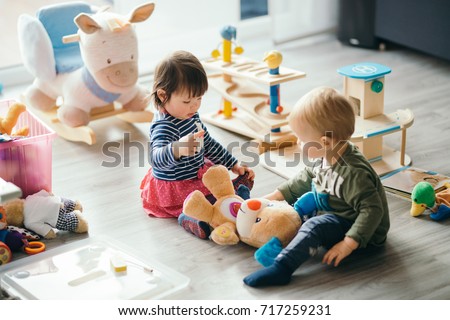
x=198, y=228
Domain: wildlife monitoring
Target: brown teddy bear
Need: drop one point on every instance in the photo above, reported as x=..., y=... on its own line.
x=43, y=212
x=223, y=212
x=253, y=221
x=260, y=220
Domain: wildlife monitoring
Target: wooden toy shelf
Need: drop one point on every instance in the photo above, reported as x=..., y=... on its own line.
x=289, y=161
x=364, y=86
x=252, y=70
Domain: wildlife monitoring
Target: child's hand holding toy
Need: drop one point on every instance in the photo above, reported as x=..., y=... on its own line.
x=188, y=145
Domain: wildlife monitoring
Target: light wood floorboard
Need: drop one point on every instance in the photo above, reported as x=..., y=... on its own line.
x=415, y=263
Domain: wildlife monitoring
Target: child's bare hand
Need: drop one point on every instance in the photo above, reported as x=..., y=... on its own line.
x=240, y=170
x=187, y=145
x=339, y=251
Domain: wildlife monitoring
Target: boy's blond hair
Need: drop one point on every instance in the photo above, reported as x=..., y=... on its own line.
x=327, y=111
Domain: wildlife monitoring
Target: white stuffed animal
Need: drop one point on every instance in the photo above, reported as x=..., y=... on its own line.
x=43, y=212
x=105, y=71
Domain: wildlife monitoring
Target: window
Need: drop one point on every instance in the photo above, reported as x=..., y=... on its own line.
x=293, y=19
x=253, y=8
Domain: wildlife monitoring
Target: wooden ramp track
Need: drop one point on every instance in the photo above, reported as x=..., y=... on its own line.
x=250, y=99
x=253, y=70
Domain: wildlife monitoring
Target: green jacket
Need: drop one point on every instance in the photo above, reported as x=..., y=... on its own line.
x=354, y=192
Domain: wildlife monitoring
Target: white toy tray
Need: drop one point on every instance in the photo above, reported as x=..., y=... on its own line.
x=82, y=270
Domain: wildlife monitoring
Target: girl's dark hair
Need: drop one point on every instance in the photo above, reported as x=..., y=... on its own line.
x=180, y=71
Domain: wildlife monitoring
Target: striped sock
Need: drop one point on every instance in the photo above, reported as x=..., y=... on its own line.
x=243, y=180
x=198, y=228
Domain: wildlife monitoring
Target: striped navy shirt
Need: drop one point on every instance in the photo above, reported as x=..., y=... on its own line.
x=166, y=130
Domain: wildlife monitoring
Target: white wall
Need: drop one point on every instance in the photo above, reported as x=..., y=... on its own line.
x=292, y=19
x=192, y=25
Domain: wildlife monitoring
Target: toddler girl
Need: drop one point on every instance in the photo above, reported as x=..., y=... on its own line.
x=181, y=149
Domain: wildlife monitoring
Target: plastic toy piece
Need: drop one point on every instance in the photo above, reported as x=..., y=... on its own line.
x=200, y=140
x=9, y=191
x=228, y=34
x=34, y=247
x=273, y=60
x=424, y=197
x=5, y=254
x=364, y=86
x=86, y=278
x=118, y=264
x=8, y=122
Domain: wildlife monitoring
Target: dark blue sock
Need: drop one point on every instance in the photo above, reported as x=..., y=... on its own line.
x=275, y=275
x=243, y=192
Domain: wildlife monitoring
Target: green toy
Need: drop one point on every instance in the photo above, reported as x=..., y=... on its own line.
x=423, y=196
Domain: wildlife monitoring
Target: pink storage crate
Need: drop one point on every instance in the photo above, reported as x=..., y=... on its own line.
x=27, y=162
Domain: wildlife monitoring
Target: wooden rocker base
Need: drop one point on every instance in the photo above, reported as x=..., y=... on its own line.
x=86, y=134
x=288, y=162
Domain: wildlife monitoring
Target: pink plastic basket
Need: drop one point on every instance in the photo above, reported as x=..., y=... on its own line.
x=27, y=162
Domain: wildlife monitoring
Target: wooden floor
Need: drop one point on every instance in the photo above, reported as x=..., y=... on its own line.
x=415, y=264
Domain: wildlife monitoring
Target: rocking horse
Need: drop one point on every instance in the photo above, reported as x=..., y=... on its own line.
x=85, y=65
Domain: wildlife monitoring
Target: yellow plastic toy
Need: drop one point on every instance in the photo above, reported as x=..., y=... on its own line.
x=10, y=120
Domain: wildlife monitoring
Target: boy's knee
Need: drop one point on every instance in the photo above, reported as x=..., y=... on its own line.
x=310, y=224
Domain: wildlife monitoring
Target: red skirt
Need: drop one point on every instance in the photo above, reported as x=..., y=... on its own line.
x=164, y=199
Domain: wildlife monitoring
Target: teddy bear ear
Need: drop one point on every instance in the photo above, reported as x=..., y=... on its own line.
x=217, y=180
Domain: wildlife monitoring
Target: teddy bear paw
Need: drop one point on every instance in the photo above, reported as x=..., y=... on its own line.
x=50, y=235
x=224, y=235
x=78, y=206
x=82, y=223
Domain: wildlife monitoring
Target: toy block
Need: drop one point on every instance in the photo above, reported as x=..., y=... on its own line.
x=118, y=264
x=364, y=86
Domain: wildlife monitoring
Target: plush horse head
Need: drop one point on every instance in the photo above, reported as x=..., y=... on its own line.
x=107, y=45
x=100, y=36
